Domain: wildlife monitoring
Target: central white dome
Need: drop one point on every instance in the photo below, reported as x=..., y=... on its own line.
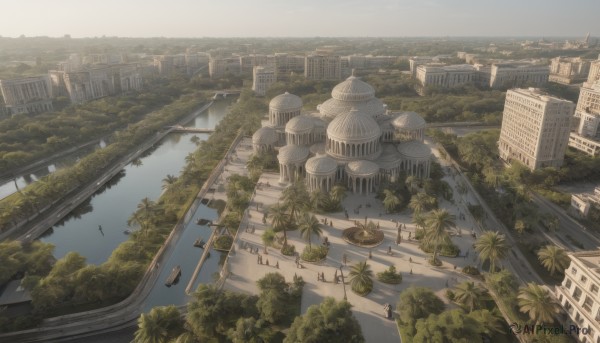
x=334, y=107
x=353, y=126
x=353, y=89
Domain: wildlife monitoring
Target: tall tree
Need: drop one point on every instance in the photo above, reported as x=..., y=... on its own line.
x=338, y=193
x=538, y=302
x=554, y=258
x=422, y=202
x=309, y=225
x=491, y=246
x=330, y=321
x=391, y=201
x=437, y=222
x=295, y=197
x=279, y=220
x=417, y=303
x=470, y=295
x=160, y=325
x=361, y=278
x=168, y=181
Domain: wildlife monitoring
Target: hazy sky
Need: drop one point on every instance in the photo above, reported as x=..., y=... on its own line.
x=299, y=18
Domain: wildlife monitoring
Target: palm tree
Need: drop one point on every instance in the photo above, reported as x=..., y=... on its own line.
x=412, y=181
x=309, y=225
x=437, y=223
x=367, y=228
x=491, y=246
x=421, y=202
x=538, y=302
x=317, y=199
x=160, y=325
x=391, y=201
x=338, y=193
x=295, y=197
x=419, y=220
x=554, y=258
x=361, y=278
x=470, y=295
x=279, y=220
x=520, y=226
x=168, y=181
x=492, y=322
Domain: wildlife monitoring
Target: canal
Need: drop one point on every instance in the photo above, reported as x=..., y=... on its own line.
x=112, y=205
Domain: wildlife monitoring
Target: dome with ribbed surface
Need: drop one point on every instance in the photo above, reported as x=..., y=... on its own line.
x=286, y=102
x=321, y=165
x=414, y=149
x=334, y=107
x=409, y=121
x=292, y=154
x=300, y=124
x=362, y=168
x=353, y=89
x=264, y=135
x=353, y=126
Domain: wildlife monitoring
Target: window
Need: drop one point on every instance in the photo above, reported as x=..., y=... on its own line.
x=573, y=270
x=588, y=303
x=594, y=288
x=577, y=293
x=583, y=279
x=568, y=284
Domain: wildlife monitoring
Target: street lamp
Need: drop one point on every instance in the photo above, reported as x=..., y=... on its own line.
x=343, y=282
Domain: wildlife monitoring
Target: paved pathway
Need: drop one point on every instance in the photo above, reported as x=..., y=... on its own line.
x=369, y=310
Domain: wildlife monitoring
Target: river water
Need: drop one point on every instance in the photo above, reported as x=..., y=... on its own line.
x=112, y=205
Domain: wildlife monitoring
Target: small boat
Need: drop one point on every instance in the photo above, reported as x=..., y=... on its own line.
x=202, y=221
x=127, y=231
x=199, y=243
x=174, y=276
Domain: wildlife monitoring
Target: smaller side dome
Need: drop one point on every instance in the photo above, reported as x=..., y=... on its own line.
x=264, y=135
x=286, y=102
x=409, y=121
x=321, y=165
x=292, y=154
x=300, y=124
x=414, y=150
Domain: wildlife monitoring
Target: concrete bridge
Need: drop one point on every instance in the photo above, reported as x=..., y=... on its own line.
x=179, y=128
x=224, y=93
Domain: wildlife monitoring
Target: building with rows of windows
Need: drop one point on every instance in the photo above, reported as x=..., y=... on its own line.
x=579, y=294
x=535, y=128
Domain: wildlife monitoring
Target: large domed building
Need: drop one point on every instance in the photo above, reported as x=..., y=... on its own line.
x=353, y=139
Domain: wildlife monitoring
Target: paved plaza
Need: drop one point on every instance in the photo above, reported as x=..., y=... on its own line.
x=245, y=270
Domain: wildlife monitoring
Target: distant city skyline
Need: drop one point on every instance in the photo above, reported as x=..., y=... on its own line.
x=309, y=18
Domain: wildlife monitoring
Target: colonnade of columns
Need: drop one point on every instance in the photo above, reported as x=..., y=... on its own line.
x=291, y=171
x=323, y=183
x=277, y=118
x=357, y=150
x=363, y=184
x=409, y=135
x=305, y=138
x=418, y=168
x=258, y=148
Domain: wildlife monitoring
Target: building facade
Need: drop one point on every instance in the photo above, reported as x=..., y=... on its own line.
x=578, y=294
x=518, y=74
x=262, y=79
x=568, y=70
x=535, y=128
x=322, y=67
x=446, y=76
x=27, y=95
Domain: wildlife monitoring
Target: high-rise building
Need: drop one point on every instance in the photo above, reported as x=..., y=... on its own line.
x=262, y=79
x=568, y=70
x=446, y=76
x=579, y=295
x=518, y=74
x=27, y=95
x=586, y=123
x=322, y=67
x=535, y=128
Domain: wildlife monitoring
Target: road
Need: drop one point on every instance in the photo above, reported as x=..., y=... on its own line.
x=516, y=261
x=567, y=226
